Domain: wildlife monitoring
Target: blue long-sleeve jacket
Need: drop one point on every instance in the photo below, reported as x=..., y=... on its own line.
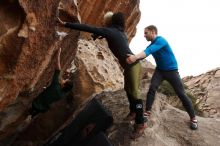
x=162, y=53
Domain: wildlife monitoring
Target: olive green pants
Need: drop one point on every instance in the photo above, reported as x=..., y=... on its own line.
x=132, y=77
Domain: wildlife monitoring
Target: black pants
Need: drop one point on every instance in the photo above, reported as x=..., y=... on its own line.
x=174, y=79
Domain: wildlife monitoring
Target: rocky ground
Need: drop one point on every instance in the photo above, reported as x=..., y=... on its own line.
x=168, y=126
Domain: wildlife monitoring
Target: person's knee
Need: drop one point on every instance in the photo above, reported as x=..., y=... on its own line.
x=152, y=89
x=136, y=94
x=154, y=86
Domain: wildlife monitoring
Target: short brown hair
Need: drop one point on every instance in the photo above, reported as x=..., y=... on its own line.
x=152, y=28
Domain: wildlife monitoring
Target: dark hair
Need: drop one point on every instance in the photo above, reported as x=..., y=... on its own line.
x=118, y=19
x=68, y=85
x=152, y=28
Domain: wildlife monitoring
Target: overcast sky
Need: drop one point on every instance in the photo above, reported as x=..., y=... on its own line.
x=192, y=28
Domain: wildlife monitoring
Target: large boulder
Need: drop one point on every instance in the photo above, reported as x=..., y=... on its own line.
x=29, y=38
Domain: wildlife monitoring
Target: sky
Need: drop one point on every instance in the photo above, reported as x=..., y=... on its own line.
x=191, y=27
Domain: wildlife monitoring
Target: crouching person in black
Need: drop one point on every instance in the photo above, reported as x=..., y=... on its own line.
x=57, y=89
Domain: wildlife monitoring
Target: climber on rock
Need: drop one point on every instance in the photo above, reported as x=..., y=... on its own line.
x=114, y=33
x=55, y=91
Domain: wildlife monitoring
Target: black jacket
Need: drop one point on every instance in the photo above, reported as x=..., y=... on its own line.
x=115, y=36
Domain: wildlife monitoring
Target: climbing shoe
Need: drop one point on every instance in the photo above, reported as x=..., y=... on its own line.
x=131, y=117
x=193, y=124
x=138, y=130
x=146, y=116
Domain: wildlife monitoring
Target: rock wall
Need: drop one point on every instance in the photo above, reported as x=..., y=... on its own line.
x=28, y=41
x=28, y=44
x=29, y=38
x=98, y=69
x=92, y=12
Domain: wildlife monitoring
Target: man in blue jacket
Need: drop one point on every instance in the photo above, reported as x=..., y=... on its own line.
x=166, y=69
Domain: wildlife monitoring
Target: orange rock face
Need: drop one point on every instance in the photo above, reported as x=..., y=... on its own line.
x=29, y=38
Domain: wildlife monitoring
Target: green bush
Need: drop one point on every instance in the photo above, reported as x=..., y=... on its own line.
x=168, y=90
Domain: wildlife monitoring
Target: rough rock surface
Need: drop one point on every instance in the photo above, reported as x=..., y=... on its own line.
x=29, y=38
x=167, y=126
x=206, y=89
x=92, y=12
x=98, y=69
x=28, y=41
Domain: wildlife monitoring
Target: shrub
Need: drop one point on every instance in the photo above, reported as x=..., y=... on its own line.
x=172, y=98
